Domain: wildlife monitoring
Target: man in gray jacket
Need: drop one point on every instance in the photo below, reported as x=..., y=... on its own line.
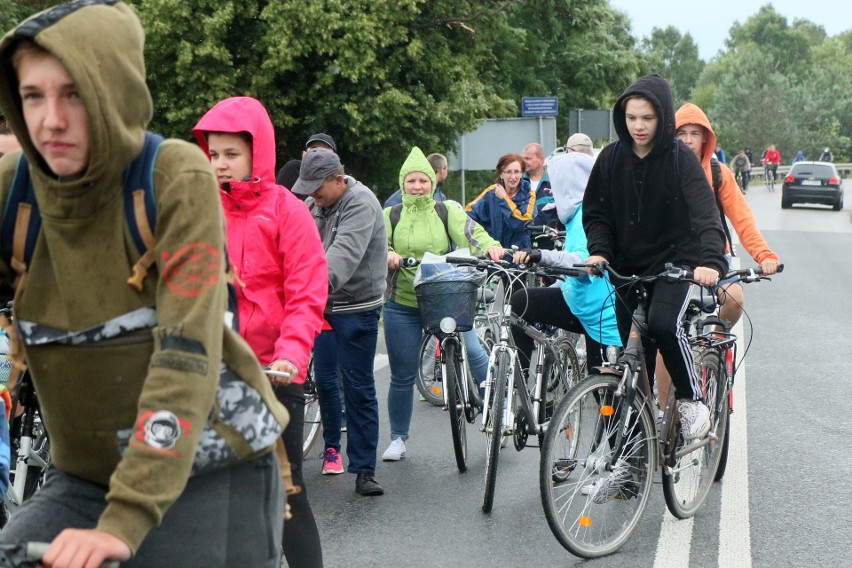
x=352, y=229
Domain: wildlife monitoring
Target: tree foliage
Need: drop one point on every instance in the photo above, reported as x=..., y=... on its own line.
x=675, y=57
x=781, y=84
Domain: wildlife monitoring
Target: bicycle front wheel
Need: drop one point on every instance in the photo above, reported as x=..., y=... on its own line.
x=456, y=405
x=691, y=468
x=494, y=429
x=592, y=499
x=428, y=379
x=313, y=421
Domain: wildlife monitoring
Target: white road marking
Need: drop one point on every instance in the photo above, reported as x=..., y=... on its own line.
x=674, y=543
x=734, y=522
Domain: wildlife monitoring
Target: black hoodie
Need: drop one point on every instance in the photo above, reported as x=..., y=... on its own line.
x=640, y=213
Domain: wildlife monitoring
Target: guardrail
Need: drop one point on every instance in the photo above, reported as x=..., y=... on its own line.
x=845, y=170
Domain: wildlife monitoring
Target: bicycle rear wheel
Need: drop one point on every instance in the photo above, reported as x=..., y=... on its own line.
x=428, y=379
x=589, y=512
x=561, y=372
x=313, y=420
x=456, y=405
x=494, y=429
x=688, y=477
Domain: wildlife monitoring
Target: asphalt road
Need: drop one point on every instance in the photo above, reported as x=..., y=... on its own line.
x=783, y=503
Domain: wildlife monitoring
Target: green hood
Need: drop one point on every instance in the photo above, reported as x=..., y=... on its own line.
x=417, y=162
x=101, y=45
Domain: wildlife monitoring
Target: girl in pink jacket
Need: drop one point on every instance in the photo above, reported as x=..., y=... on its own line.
x=280, y=275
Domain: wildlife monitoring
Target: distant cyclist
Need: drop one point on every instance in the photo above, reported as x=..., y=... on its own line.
x=771, y=161
x=826, y=155
x=742, y=169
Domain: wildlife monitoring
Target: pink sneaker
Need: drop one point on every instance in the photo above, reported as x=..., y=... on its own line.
x=332, y=464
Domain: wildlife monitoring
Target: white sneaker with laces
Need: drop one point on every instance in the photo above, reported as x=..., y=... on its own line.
x=396, y=450
x=694, y=418
x=605, y=488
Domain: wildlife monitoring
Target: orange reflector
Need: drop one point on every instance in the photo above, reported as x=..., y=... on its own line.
x=607, y=410
x=435, y=389
x=568, y=433
x=585, y=521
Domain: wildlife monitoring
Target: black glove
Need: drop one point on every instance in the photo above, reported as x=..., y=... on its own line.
x=534, y=254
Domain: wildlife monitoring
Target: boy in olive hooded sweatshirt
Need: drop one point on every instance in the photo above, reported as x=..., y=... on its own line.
x=161, y=422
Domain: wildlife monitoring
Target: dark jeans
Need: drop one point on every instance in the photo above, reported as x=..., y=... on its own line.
x=667, y=303
x=351, y=347
x=229, y=517
x=302, y=546
x=548, y=306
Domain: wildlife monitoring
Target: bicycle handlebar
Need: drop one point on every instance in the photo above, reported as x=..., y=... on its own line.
x=483, y=263
x=672, y=272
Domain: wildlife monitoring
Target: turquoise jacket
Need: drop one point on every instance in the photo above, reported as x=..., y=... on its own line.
x=421, y=230
x=590, y=299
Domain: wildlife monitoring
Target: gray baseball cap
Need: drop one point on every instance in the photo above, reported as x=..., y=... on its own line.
x=317, y=164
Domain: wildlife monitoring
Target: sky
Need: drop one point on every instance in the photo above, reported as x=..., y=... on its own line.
x=709, y=22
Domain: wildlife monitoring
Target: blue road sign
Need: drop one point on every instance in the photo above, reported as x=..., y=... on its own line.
x=540, y=106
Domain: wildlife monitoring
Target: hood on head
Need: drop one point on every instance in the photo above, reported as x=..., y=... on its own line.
x=101, y=44
x=691, y=114
x=655, y=89
x=243, y=114
x=417, y=162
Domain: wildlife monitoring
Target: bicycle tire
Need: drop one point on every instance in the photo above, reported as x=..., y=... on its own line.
x=456, y=406
x=313, y=419
x=559, y=377
x=428, y=379
x=494, y=430
x=577, y=446
x=687, y=480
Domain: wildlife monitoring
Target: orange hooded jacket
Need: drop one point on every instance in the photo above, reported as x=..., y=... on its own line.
x=733, y=203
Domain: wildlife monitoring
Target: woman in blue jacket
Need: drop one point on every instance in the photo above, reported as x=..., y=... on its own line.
x=505, y=207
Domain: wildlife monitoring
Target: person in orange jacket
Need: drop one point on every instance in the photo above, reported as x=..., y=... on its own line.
x=694, y=129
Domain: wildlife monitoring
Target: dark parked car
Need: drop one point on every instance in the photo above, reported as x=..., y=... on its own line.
x=812, y=182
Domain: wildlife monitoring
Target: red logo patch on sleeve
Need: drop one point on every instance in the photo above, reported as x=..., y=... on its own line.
x=160, y=430
x=192, y=269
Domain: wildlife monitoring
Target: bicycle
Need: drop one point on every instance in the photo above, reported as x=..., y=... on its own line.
x=29, y=443
x=446, y=299
x=605, y=429
x=769, y=175
x=30, y=554
x=742, y=178
x=554, y=368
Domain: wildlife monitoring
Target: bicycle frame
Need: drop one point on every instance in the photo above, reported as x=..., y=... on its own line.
x=29, y=454
x=466, y=379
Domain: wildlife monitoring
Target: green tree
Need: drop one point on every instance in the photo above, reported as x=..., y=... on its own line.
x=675, y=57
x=788, y=45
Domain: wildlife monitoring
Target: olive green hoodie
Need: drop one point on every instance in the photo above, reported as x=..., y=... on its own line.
x=138, y=390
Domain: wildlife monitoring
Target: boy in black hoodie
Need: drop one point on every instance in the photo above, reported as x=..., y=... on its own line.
x=647, y=203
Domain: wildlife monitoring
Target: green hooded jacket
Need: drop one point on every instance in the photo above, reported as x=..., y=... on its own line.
x=421, y=230
x=138, y=390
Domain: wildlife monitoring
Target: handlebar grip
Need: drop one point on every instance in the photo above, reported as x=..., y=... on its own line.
x=408, y=262
x=36, y=550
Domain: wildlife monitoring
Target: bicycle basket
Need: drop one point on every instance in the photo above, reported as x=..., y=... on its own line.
x=444, y=290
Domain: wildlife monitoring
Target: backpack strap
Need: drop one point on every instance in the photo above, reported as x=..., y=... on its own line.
x=140, y=207
x=716, y=174
x=21, y=220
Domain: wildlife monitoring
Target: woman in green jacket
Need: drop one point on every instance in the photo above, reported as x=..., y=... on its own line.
x=420, y=229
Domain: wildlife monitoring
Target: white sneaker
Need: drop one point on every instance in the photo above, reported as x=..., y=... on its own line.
x=396, y=450
x=694, y=418
x=605, y=488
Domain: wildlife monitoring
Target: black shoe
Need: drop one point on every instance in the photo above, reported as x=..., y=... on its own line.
x=366, y=484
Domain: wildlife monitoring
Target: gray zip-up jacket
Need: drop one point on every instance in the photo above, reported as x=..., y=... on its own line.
x=355, y=242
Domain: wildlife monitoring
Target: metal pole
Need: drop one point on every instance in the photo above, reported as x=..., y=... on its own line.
x=461, y=159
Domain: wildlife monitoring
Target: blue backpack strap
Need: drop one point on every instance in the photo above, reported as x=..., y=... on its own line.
x=140, y=206
x=21, y=220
